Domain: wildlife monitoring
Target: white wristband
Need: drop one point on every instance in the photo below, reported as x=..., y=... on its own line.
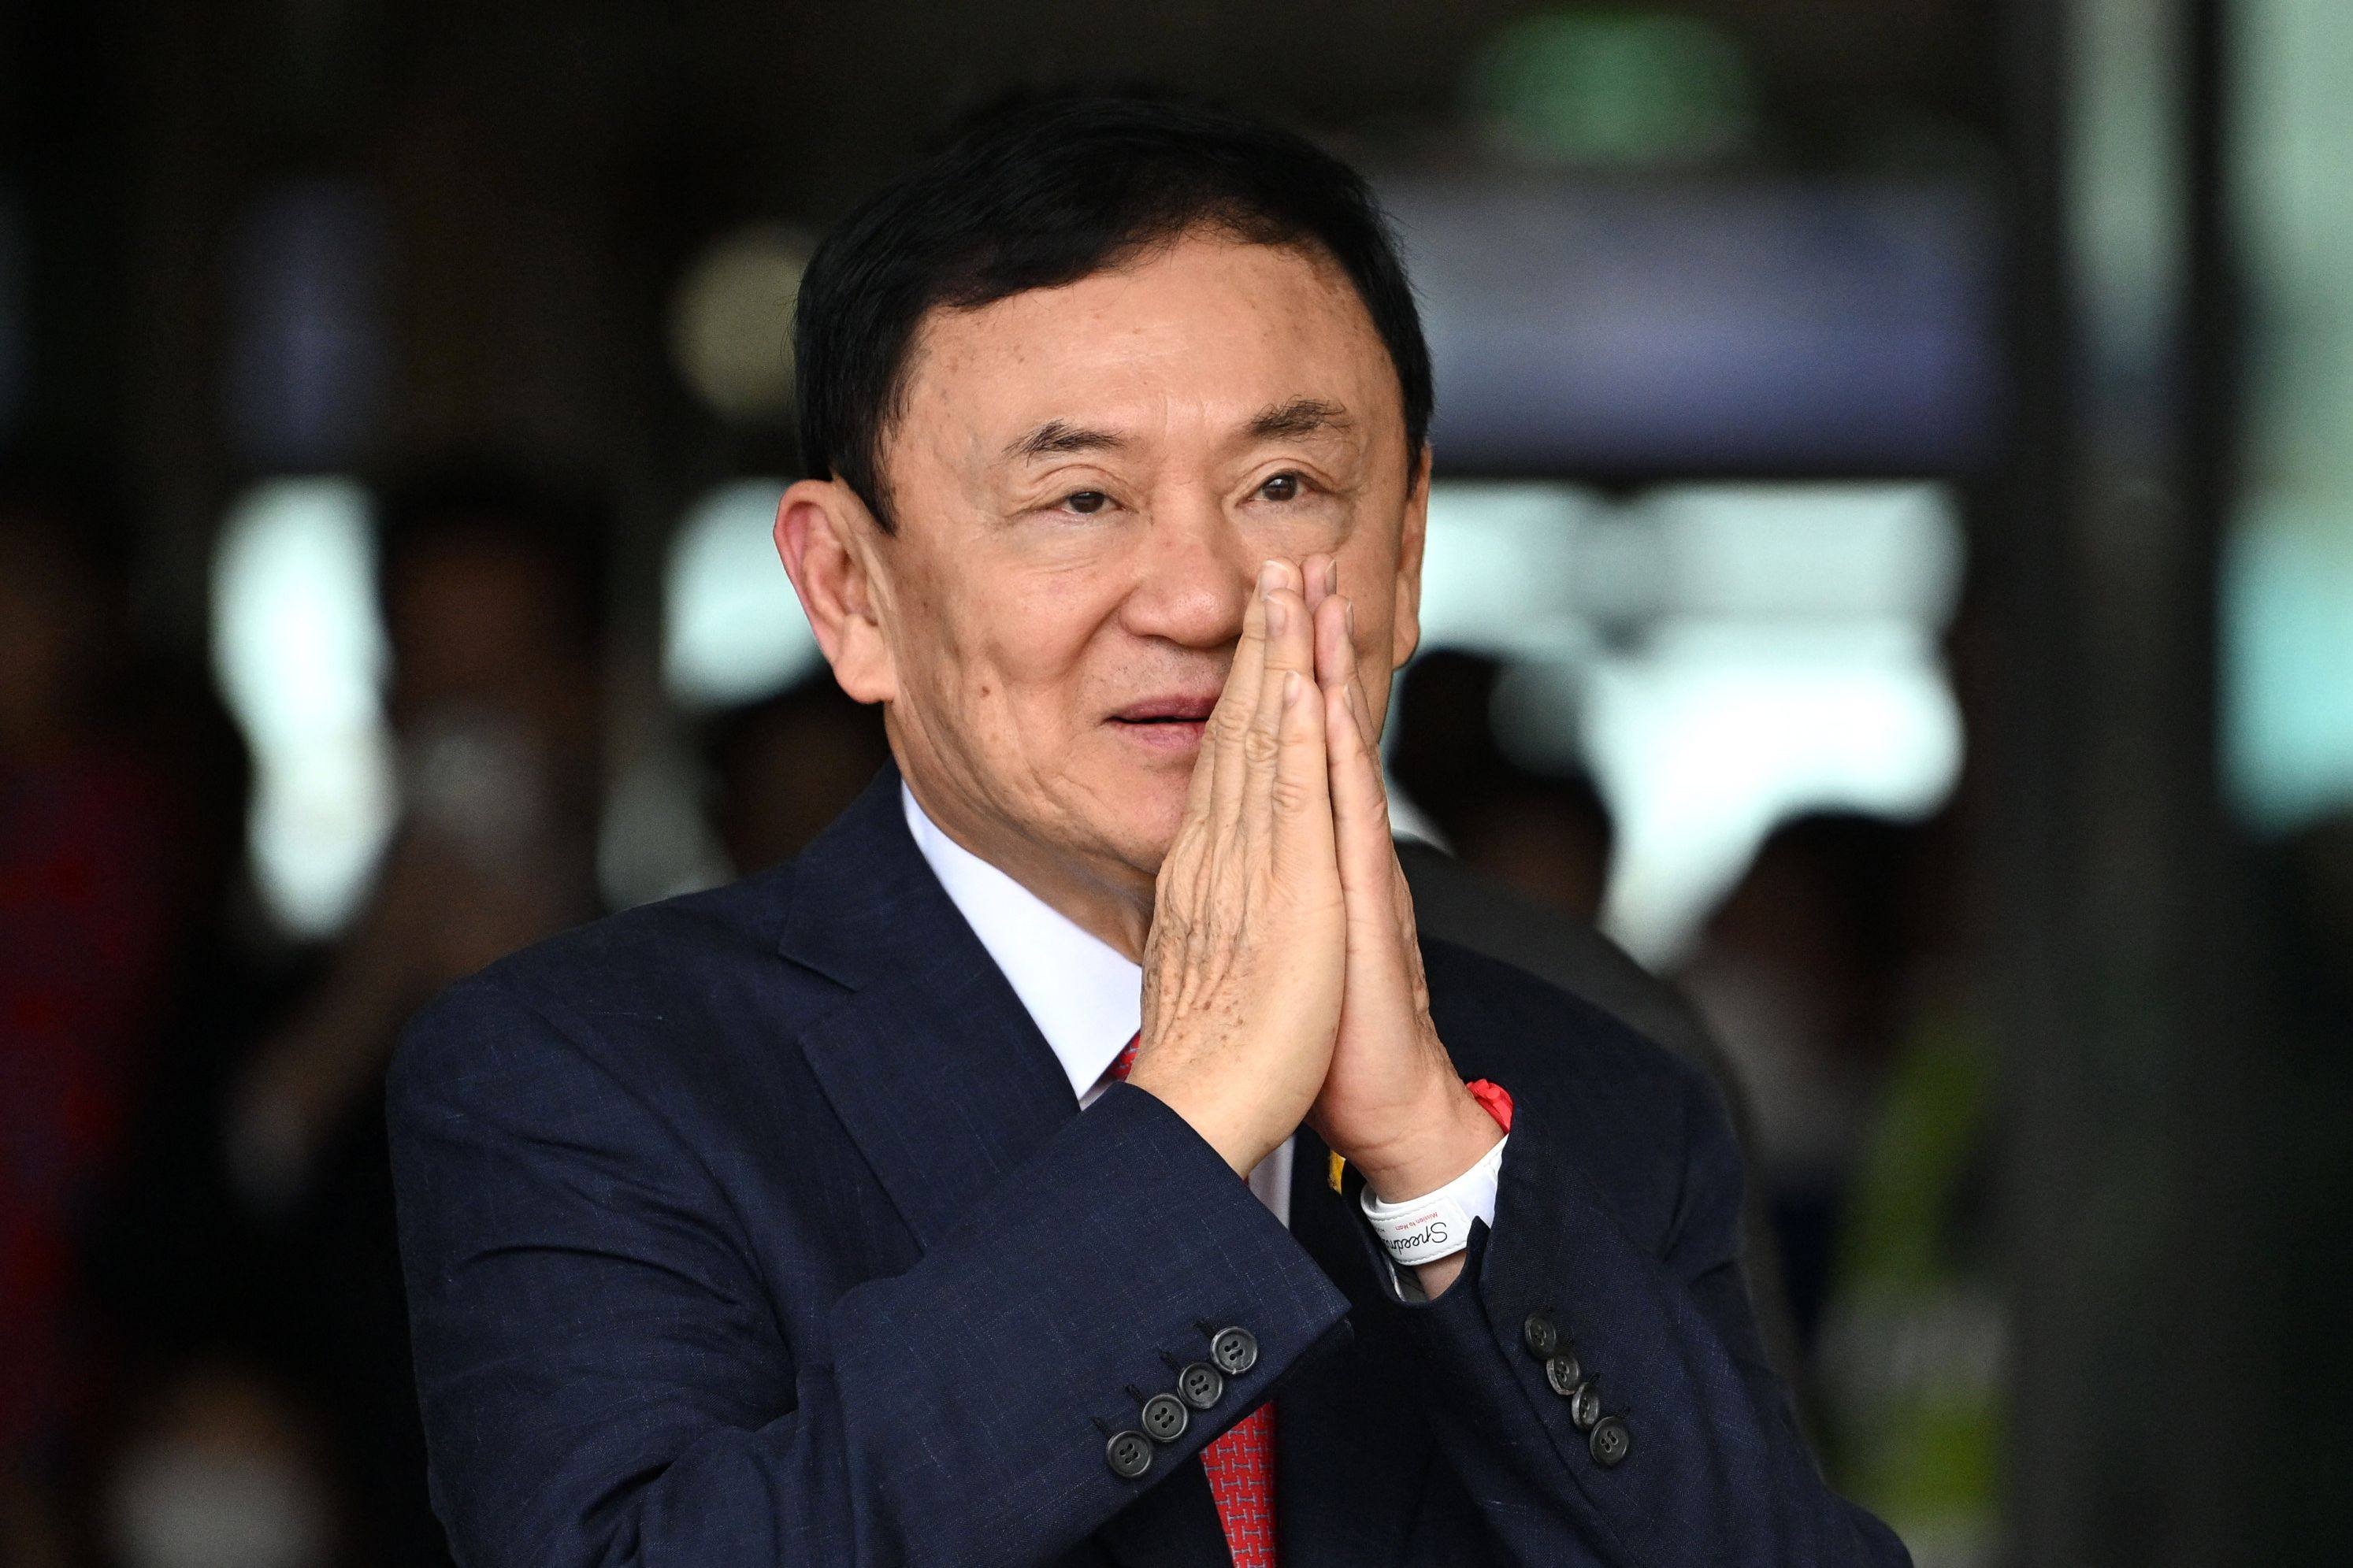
x=1436, y=1225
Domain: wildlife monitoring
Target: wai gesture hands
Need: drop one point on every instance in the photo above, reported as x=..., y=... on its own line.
x=1282, y=979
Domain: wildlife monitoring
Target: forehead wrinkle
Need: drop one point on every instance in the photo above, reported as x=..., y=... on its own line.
x=1287, y=313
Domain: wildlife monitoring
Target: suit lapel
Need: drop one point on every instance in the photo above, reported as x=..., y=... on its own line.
x=931, y=1061
x=942, y=1078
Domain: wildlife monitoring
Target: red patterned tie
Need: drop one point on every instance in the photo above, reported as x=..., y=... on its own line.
x=1242, y=1463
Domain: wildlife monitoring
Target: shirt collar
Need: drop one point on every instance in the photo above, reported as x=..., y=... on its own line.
x=1085, y=998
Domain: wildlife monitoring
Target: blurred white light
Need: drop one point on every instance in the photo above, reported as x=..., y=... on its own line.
x=731, y=324
x=1500, y=570
x=1811, y=550
x=1719, y=730
x=1774, y=649
x=732, y=628
x=299, y=649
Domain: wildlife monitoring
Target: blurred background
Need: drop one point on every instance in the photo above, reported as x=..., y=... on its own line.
x=1890, y=566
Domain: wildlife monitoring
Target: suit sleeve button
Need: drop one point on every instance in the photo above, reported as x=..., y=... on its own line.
x=1541, y=1335
x=1610, y=1441
x=1585, y=1406
x=1564, y=1372
x=1234, y=1350
x=1200, y=1384
x=1164, y=1417
x=1130, y=1454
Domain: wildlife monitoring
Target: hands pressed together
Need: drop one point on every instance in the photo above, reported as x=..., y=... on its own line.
x=1281, y=979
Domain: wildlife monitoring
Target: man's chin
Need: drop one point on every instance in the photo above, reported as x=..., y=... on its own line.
x=1148, y=809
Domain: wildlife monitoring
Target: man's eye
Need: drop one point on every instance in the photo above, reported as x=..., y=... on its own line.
x=1086, y=503
x=1281, y=487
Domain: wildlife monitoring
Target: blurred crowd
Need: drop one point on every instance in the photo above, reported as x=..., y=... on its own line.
x=203, y=1358
x=202, y=1349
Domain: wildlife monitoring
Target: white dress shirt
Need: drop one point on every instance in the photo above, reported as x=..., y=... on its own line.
x=1084, y=997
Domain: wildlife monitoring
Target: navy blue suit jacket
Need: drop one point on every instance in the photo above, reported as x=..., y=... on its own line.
x=761, y=1227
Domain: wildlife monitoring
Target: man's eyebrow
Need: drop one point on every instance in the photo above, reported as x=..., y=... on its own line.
x=1057, y=437
x=1299, y=417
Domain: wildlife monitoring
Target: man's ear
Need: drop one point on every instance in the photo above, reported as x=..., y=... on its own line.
x=1406, y=621
x=827, y=541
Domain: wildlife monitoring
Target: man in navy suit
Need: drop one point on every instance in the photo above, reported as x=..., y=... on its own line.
x=1074, y=1156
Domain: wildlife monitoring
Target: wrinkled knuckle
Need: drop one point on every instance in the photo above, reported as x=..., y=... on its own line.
x=1260, y=746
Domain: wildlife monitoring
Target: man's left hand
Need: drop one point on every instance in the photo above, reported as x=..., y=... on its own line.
x=1392, y=1101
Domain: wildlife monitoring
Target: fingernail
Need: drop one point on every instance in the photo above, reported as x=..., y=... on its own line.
x=1269, y=577
x=1290, y=687
x=1348, y=613
x=1274, y=618
x=1332, y=576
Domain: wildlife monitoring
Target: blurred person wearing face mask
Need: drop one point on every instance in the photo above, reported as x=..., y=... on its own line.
x=1547, y=837
x=783, y=767
x=493, y=601
x=961, y=1191
x=1803, y=971
x=225, y=1471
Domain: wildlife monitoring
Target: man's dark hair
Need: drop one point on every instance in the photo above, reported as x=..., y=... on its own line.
x=1041, y=192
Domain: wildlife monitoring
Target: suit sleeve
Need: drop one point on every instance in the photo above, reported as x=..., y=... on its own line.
x=1713, y=1467
x=604, y=1379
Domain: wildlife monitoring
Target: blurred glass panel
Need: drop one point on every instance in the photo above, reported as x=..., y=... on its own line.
x=1768, y=327
x=2288, y=606
x=308, y=353
x=2126, y=132
x=732, y=629
x=2288, y=589
x=1718, y=657
x=298, y=648
x=2287, y=623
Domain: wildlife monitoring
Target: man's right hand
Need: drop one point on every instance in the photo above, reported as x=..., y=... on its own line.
x=1244, y=968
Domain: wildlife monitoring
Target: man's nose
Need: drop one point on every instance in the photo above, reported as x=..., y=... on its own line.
x=1193, y=571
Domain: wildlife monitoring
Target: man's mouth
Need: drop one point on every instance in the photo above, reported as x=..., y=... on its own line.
x=1167, y=711
x=1172, y=722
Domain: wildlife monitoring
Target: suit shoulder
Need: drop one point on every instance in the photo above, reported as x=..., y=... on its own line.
x=1501, y=1022
x=648, y=984
x=669, y=941
x=1500, y=995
